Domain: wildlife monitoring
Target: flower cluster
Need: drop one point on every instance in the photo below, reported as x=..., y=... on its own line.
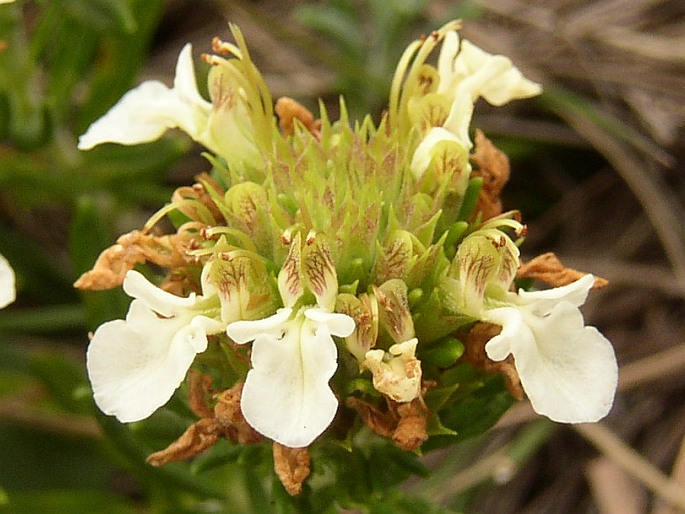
x=328, y=275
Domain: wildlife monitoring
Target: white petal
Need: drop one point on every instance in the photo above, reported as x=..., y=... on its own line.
x=7, y=283
x=245, y=331
x=574, y=293
x=136, y=365
x=160, y=301
x=399, y=377
x=142, y=115
x=147, y=111
x=501, y=82
x=513, y=329
x=459, y=119
x=338, y=324
x=185, y=82
x=446, y=60
x=426, y=149
x=286, y=396
x=568, y=371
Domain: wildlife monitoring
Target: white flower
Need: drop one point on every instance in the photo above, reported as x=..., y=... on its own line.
x=146, y=112
x=135, y=365
x=397, y=372
x=568, y=370
x=467, y=73
x=7, y=283
x=286, y=395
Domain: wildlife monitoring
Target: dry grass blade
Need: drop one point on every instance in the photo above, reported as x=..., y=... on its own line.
x=678, y=477
x=613, y=489
x=631, y=461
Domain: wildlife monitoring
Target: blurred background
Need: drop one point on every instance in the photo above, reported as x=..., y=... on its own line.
x=597, y=171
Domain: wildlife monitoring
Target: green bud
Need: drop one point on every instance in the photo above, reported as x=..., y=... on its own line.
x=443, y=353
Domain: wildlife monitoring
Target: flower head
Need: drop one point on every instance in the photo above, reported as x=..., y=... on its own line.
x=136, y=364
x=567, y=369
x=7, y=283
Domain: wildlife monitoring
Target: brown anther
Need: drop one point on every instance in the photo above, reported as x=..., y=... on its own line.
x=285, y=239
x=435, y=35
x=221, y=47
x=289, y=110
x=210, y=59
x=292, y=466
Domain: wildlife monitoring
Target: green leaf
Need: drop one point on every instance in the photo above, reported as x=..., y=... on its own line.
x=475, y=413
x=103, y=15
x=119, y=64
x=89, y=235
x=62, y=377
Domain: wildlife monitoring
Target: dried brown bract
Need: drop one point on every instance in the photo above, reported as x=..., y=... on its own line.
x=475, y=355
x=405, y=423
x=224, y=421
x=199, y=389
x=136, y=247
x=292, y=465
x=228, y=414
x=195, y=440
x=410, y=432
x=549, y=269
x=493, y=167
